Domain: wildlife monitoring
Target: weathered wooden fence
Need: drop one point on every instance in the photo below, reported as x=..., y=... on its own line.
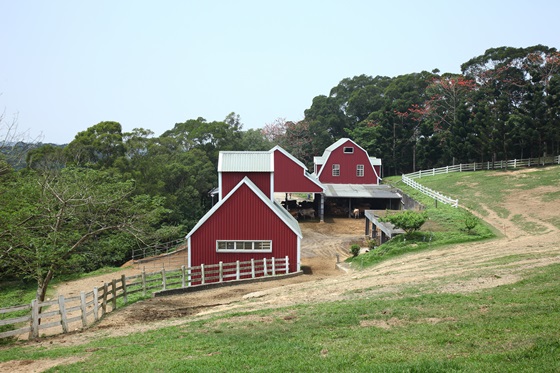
x=408, y=179
x=79, y=312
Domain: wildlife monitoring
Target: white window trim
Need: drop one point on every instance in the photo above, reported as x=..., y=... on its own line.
x=335, y=167
x=253, y=250
x=351, y=148
x=360, y=167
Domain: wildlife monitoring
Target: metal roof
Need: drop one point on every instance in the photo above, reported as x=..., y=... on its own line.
x=387, y=227
x=360, y=191
x=245, y=161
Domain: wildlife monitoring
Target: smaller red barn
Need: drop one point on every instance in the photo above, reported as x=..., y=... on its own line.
x=245, y=224
x=345, y=162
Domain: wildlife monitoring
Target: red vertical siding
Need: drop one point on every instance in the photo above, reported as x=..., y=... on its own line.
x=348, y=163
x=231, y=179
x=289, y=177
x=243, y=217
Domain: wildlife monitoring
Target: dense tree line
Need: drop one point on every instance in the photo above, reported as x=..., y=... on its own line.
x=89, y=203
x=505, y=104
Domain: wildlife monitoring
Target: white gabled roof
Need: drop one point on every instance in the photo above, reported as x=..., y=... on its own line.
x=281, y=212
x=242, y=161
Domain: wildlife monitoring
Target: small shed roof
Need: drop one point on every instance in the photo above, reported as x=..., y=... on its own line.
x=360, y=191
x=241, y=161
x=386, y=227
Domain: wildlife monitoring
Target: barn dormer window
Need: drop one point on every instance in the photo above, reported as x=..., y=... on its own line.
x=348, y=150
x=336, y=170
x=360, y=170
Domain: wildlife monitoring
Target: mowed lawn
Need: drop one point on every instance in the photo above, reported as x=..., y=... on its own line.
x=509, y=328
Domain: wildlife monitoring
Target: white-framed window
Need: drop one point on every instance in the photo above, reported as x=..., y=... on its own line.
x=336, y=169
x=348, y=150
x=360, y=170
x=244, y=246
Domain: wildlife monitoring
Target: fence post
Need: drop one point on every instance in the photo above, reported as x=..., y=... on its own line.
x=420, y=174
x=252, y=268
x=125, y=294
x=287, y=265
x=237, y=270
x=144, y=281
x=34, y=332
x=273, y=266
x=474, y=166
x=446, y=169
x=202, y=274
x=221, y=270
x=114, y=292
x=515, y=163
x=62, y=311
x=163, y=279
x=182, y=276
x=460, y=167
x=95, y=304
x=84, y=309
x=264, y=267
x=529, y=163
x=104, y=304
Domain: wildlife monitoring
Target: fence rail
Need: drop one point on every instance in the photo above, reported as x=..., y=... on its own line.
x=408, y=179
x=79, y=312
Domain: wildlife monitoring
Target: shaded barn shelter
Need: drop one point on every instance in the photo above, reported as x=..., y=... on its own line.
x=351, y=179
x=246, y=222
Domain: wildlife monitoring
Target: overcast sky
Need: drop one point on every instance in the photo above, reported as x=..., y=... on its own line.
x=67, y=65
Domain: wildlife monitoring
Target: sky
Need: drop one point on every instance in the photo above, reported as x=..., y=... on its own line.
x=68, y=65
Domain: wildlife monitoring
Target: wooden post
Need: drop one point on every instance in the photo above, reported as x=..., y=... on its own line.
x=515, y=163
x=252, y=268
x=163, y=279
x=84, y=309
x=63, y=316
x=202, y=274
x=104, y=302
x=125, y=295
x=460, y=167
x=273, y=266
x=95, y=304
x=264, y=267
x=34, y=332
x=221, y=271
x=183, y=276
x=287, y=265
x=114, y=292
x=144, y=281
x=237, y=270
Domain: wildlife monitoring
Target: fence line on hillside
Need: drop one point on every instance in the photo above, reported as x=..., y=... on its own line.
x=79, y=312
x=408, y=179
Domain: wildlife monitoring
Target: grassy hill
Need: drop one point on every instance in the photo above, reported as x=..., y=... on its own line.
x=490, y=305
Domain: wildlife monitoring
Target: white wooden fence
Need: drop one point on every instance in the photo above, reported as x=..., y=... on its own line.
x=408, y=179
x=79, y=312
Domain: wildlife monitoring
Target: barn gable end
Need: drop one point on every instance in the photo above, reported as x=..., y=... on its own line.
x=345, y=162
x=245, y=214
x=291, y=176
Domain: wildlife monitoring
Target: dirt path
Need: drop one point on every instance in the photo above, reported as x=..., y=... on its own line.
x=460, y=268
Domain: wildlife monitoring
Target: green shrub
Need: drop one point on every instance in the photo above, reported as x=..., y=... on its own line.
x=355, y=250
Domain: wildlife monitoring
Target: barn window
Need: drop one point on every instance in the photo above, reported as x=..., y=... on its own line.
x=244, y=246
x=360, y=170
x=336, y=170
x=348, y=150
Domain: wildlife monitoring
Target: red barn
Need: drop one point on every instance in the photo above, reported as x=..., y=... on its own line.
x=345, y=162
x=351, y=179
x=247, y=223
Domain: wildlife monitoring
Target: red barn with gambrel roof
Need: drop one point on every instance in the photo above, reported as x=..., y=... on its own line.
x=345, y=162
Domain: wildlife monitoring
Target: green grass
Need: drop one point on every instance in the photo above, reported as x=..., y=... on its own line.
x=510, y=328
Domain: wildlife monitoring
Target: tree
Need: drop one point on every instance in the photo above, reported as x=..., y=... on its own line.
x=98, y=147
x=49, y=220
x=409, y=221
